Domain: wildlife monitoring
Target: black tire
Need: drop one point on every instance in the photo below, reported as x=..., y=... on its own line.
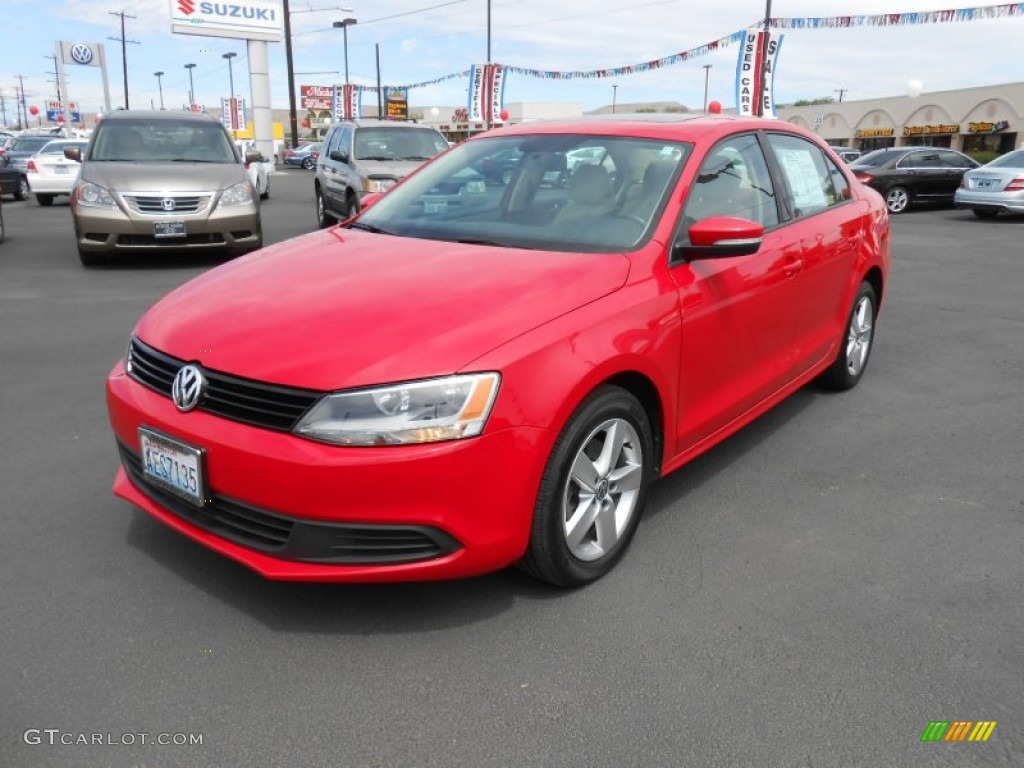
x=266, y=190
x=23, y=190
x=92, y=259
x=307, y=163
x=323, y=218
x=897, y=199
x=985, y=214
x=45, y=200
x=856, y=344
x=351, y=206
x=551, y=556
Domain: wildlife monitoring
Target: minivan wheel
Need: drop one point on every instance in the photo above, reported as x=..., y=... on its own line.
x=855, y=346
x=323, y=219
x=897, y=199
x=351, y=207
x=593, y=490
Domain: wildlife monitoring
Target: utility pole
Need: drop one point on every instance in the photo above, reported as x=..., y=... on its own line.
x=841, y=91
x=23, y=114
x=3, y=109
x=56, y=77
x=124, y=50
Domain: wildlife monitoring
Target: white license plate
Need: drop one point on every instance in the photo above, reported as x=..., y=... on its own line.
x=986, y=183
x=172, y=465
x=169, y=229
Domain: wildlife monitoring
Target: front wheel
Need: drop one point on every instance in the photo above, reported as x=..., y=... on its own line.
x=852, y=359
x=593, y=490
x=323, y=219
x=897, y=199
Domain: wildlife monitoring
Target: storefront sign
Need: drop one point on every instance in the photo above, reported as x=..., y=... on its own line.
x=929, y=130
x=874, y=133
x=397, y=101
x=1002, y=125
x=317, y=96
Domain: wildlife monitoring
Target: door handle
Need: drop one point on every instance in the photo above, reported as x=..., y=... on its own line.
x=793, y=267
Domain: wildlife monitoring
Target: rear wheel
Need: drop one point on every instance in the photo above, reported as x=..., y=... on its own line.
x=852, y=359
x=23, y=190
x=985, y=214
x=307, y=163
x=45, y=199
x=897, y=199
x=593, y=490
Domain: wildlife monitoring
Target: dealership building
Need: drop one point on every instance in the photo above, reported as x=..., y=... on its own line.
x=987, y=119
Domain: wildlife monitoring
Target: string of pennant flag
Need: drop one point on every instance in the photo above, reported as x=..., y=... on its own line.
x=975, y=13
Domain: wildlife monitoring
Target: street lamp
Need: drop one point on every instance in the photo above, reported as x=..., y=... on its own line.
x=231, y=72
x=707, y=71
x=160, y=85
x=343, y=26
x=191, y=86
x=615, y=92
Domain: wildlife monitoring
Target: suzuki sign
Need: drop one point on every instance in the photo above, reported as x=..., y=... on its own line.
x=241, y=19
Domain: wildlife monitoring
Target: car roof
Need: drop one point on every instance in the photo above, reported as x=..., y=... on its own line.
x=151, y=114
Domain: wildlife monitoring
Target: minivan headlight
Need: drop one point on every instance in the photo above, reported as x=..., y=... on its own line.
x=94, y=196
x=429, y=411
x=237, y=194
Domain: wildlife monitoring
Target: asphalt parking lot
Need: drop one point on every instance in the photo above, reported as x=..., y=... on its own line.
x=812, y=592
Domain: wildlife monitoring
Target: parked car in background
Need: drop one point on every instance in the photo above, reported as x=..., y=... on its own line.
x=2, y=230
x=13, y=181
x=162, y=181
x=50, y=173
x=847, y=154
x=368, y=156
x=304, y=156
x=994, y=188
x=905, y=176
x=259, y=170
x=435, y=391
x=24, y=146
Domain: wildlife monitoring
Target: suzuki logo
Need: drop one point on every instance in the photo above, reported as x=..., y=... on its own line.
x=187, y=7
x=81, y=54
x=189, y=385
x=167, y=203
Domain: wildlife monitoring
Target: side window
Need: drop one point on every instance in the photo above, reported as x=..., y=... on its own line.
x=733, y=180
x=912, y=160
x=953, y=160
x=333, y=142
x=814, y=181
x=345, y=142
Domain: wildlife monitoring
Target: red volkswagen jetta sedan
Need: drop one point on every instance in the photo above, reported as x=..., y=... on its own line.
x=473, y=373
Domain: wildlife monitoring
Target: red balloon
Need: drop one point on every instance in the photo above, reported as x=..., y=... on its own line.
x=34, y=110
x=715, y=107
x=96, y=118
x=504, y=114
x=60, y=118
x=305, y=123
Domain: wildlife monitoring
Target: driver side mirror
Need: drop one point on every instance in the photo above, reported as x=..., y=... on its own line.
x=720, y=237
x=73, y=153
x=340, y=156
x=253, y=156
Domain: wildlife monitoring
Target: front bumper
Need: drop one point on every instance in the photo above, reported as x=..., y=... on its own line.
x=108, y=230
x=464, y=507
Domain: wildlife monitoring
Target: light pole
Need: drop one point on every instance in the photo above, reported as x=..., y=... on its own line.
x=191, y=86
x=160, y=85
x=615, y=93
x=343, y=26
x=707, y=71
x=231, y=72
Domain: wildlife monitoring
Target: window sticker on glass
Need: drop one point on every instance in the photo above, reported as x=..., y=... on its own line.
x=803, y=177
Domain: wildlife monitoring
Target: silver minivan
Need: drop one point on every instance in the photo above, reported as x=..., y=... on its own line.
x=368, y=156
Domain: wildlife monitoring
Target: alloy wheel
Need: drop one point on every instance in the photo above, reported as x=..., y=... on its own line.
x=859, y=335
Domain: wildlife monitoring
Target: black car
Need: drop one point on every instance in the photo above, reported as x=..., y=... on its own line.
x=1, y=218
x=908, y=175
x=13, y=181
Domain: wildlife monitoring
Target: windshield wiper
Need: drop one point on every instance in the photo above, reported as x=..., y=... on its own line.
x=376, y=157
x=415, y=157
x=368, y=228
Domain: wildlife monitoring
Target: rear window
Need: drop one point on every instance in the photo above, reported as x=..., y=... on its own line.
x=30, y=143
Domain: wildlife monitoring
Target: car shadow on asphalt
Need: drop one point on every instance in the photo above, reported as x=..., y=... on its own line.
x=347, y=609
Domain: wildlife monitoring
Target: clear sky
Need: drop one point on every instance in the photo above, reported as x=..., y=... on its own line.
x=424, y=39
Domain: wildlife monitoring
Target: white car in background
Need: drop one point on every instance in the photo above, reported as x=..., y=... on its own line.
x=50, y=173
x=259, y=172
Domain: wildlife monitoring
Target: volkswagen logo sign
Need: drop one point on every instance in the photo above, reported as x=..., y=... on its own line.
x=167, y=203
x=81, y=53
x=189, y=385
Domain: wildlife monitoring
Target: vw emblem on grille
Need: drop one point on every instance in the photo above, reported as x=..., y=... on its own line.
x=167, y=203
x=81, y=54
x=189, y=385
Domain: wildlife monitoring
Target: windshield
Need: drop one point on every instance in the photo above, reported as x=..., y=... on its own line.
x=388, y=143
x=162, y=140
x=526, y=192
x=1013, y=159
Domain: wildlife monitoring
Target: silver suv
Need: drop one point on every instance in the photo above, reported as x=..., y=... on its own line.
x=368, y=156
x=158, y=181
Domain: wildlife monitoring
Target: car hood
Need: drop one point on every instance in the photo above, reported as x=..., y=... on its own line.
x=163, y=177
x=397, y=168
x=340, y=308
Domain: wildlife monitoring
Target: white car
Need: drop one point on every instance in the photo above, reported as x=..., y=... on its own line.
x=259, y=172
x=50, y=173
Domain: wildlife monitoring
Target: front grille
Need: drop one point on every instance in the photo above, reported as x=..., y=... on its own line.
x=290, y=539
x=154, y=205
x=250, y=402
x=146, y=241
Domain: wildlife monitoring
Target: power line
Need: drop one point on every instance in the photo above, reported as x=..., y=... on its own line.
x=841, y=91
x=124, y=50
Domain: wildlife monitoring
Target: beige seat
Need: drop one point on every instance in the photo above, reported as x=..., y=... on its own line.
x=590, y=195
x=656, y=177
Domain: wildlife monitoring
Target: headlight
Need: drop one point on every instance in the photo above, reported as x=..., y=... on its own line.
x=381, y=184
x=428, y=411
x=94, y=196
x=237, y=194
